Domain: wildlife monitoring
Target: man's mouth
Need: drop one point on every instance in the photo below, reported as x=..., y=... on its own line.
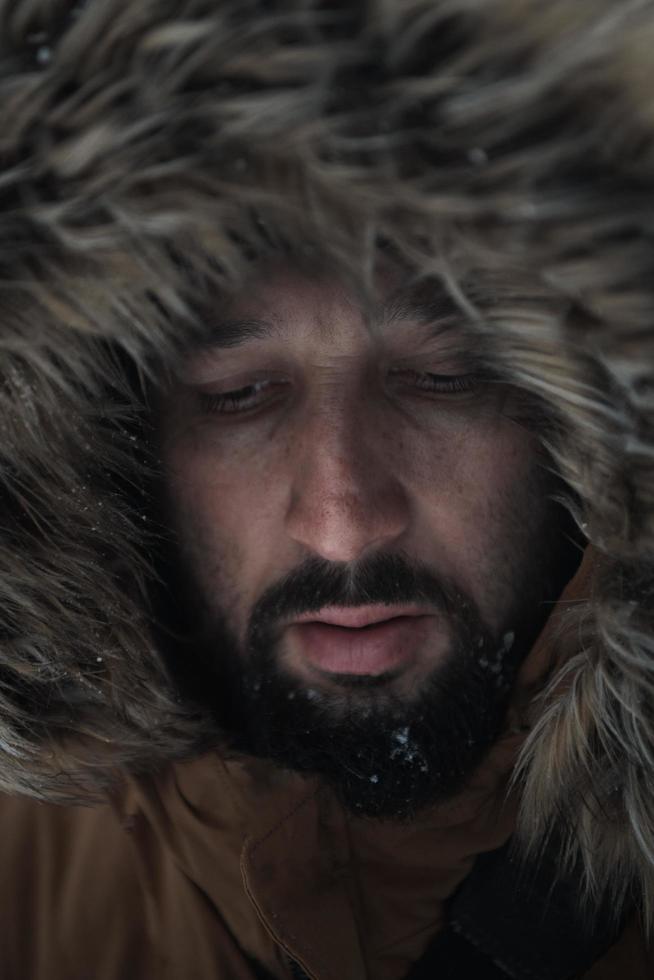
x=361, y=616
x=368, y=640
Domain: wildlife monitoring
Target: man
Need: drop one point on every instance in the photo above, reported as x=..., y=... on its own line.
x=326, y=440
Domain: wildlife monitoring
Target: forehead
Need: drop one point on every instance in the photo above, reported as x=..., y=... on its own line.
x=282, y=302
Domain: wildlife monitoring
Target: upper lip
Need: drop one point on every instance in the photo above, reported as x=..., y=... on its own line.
x=360, y=616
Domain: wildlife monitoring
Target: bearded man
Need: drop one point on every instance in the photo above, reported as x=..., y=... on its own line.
x=326, y=619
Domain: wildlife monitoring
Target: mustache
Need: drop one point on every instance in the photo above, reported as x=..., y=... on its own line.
x=382, y=578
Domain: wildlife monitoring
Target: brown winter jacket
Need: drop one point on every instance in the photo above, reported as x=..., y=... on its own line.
x=213, y=870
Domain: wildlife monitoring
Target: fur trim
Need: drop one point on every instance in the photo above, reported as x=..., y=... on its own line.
x=505, y=147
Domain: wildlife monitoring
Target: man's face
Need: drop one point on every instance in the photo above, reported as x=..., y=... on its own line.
x=365, y=537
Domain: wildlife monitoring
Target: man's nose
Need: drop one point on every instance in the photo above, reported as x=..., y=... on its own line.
x=346, y=494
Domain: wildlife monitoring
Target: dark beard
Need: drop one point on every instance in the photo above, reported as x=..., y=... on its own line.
x=385, y=757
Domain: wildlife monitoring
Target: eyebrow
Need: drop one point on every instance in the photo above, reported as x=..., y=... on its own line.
x=225, y=334
x=439, y=311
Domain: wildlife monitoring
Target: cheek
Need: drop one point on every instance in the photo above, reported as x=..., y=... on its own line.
x=222, y=514
x=480, y=492
x=475, y=469
x=214, y=486
x=491, y=469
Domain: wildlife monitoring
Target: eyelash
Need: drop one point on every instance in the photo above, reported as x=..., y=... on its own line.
x=231, y=402
x=444, y=383
x=237, y=401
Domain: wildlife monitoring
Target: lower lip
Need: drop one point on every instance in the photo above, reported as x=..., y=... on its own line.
x=371, y=651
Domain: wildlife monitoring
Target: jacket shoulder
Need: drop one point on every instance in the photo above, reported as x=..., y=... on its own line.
x=67, y=873
x=91, y=893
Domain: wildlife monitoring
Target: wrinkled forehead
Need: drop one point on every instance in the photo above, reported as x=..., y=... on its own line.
x=281, y=300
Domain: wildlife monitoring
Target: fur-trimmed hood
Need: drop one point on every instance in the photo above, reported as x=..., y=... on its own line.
x=148, y=150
